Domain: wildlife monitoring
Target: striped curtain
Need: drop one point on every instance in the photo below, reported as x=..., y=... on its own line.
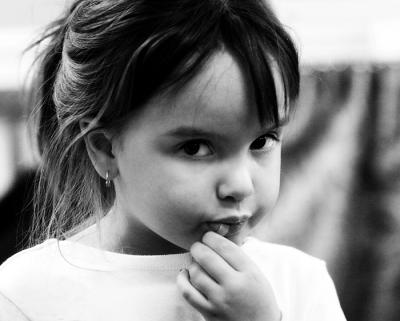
x=340, y=192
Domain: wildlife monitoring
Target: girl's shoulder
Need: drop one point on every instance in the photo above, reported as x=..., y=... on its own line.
x=278, y=251
x=291, y=273
x=301, y=282
x=42, y=250
x=28, y=264
x=32, y=277
x=283, y=259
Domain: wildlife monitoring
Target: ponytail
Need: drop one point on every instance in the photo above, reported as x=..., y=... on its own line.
x=59, y=187
x=44, y=116
x=47, y=113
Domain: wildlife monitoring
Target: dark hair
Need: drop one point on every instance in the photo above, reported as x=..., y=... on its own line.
x=106, y=58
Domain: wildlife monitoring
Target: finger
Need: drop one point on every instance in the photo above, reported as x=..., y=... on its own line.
x=211, y=262
x=203, y=282
x=191, y=294
x=228, y=250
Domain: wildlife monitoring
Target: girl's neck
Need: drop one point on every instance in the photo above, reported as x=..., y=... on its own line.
x=116, y=233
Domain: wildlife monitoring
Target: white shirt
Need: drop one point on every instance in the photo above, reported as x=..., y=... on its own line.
x=68, y=281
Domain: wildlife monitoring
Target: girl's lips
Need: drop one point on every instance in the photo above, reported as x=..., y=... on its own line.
x=226, y=229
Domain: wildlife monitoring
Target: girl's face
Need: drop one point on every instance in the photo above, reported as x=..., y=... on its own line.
x=192, y=161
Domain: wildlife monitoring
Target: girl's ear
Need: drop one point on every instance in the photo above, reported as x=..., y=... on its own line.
x=99, y=146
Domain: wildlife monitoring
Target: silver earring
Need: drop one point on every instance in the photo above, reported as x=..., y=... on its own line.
x=108, y=181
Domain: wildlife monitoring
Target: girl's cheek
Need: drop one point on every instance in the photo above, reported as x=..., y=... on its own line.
x=186, y=182
x=267, y=190
x=186, y=199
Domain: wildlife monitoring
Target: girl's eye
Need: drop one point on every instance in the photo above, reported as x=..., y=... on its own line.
x=264, y=143
x=196, y=148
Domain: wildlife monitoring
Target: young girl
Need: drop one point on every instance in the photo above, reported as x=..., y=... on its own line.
x=160, y=128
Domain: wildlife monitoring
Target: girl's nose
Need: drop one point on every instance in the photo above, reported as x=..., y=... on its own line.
x=236, y=184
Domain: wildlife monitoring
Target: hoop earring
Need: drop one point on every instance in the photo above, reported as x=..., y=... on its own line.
x=108, y=181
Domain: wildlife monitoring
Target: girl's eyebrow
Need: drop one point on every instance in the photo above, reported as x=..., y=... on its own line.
x=190, y=131
x=284, y=121
x=281, y=123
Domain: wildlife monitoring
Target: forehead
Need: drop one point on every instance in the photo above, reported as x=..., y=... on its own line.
x=218, y=97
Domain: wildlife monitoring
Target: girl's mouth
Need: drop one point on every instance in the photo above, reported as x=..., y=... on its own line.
x=228, y=227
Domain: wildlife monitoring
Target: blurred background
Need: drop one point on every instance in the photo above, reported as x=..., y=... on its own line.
x=340, y=193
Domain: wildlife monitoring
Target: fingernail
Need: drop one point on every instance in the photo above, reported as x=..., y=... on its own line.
x=219, y=228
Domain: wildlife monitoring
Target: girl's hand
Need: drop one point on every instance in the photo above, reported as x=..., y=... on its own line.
x=223, y=284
